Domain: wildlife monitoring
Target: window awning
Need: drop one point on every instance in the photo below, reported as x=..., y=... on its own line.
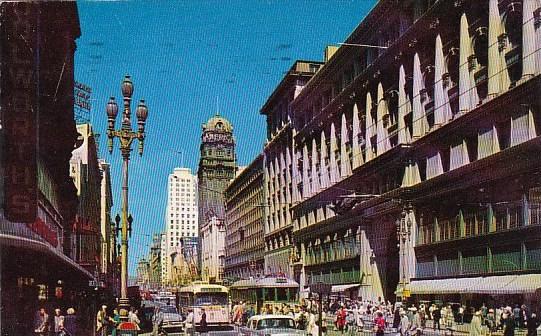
x=31, y=244
x=343, y=288
x=503, y=284
x=20, y=236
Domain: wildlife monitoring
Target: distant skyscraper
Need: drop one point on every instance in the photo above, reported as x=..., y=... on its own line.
x=181, y=213
x=163, y=259
x=217, y=168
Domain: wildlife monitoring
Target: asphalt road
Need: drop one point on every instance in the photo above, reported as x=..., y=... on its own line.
x=218, y=332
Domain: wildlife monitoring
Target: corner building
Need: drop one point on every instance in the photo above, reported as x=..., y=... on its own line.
x=244, y=240
x=278, y=167
x=38, y=199
x=432, y=144
x=217, y=167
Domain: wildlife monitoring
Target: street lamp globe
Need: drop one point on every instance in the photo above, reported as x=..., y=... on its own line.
x=141, y=112
x=112, y=108
x=127, y=87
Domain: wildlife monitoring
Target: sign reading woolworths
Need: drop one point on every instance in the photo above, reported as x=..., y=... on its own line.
x=19, y=103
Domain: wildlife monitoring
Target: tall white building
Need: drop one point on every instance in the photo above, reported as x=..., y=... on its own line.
x=181, y=213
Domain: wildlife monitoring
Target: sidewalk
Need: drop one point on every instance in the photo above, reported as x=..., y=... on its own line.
x=465, y=329
x=459, y=329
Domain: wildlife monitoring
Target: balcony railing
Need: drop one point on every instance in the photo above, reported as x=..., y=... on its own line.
x=341, y=277
x=476, y=224
x=331, y=252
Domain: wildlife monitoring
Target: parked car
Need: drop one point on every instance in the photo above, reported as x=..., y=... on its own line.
x=168, y=320
x=275, y=325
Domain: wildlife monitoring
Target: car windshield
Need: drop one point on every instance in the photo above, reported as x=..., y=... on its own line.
x=169, y=309
x=282, y=323
x=211, y=299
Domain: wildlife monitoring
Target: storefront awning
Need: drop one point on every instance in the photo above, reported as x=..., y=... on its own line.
x=503, y=284
x=35, y=245
x=343, y=288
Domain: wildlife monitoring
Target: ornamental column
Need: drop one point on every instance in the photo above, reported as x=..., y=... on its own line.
x=467, y=91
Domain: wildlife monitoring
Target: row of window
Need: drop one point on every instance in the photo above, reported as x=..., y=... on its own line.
x=173, y=227
x=182, y=193
x=505, y=258
x=479, y=222
x=176, y=221
x=177, y=208
x=187, y=209
x=177, y=233
x=193, y=215
x=177, y=243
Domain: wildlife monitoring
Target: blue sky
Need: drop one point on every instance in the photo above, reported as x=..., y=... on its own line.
x=189, y=59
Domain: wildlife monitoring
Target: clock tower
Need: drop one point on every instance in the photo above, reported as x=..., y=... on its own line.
x=217, y=167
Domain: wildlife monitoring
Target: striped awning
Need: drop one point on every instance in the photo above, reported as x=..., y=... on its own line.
x=343, y=288
x=503, y=284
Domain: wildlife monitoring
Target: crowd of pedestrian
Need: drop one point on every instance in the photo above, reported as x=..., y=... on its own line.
x=107, y=324
x=503, y=319
x=347, y=316
x=411, y=320
x=56, y=325
x=352, y=316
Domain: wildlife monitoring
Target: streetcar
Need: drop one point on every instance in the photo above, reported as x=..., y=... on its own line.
x=167, y=298
x=214, y=299
x=269, y=292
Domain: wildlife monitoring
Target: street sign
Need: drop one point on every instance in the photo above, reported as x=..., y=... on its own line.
x=81, y=102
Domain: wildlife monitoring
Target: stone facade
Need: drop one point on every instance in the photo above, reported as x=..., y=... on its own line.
x=245, y=204
x=278, y=167
x=87, y=176
x=217, y=166
x=428, y=142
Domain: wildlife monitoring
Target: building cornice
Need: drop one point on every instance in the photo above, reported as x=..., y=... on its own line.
x=285, y=85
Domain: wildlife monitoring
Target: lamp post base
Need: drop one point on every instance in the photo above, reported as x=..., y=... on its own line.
x=123, y=308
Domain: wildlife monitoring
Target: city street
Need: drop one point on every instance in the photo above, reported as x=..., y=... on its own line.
x=460, y=329
x=427, y=332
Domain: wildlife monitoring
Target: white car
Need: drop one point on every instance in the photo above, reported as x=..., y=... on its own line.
x=168, y=319
x=275, y=325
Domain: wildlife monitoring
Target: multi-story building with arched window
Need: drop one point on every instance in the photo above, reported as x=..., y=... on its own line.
x=416, y=158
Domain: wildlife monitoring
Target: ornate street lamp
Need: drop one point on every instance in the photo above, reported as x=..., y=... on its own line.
x=126, y=136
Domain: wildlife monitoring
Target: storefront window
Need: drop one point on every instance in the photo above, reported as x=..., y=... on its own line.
x=43, y=292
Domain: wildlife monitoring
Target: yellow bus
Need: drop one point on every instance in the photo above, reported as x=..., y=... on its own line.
x=214, y=299
x=268, y=292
